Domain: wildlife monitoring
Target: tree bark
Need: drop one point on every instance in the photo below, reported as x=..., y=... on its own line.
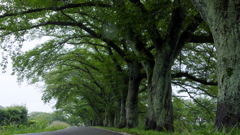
x=223, y=17
x=150, y=116
x=162, y=92
x=122, y=122
x=132, y=97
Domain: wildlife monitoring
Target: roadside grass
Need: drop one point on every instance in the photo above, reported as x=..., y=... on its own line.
x=198, y=131
x=21, y=129
x=56, y=125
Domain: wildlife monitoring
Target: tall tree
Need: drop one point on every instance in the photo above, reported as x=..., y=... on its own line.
x=222, y=17
x=66, y=17
x=157, y=31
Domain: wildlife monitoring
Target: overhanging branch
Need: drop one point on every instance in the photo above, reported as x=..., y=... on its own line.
x=201, y=39
x=178, y=75
x=68, y=6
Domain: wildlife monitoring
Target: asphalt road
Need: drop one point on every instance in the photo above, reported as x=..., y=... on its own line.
x=78, y=131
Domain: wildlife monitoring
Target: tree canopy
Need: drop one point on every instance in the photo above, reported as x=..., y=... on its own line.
x=113, y=63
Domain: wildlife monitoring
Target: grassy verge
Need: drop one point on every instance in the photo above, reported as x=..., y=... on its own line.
x=135, y=131
x=10, y=130
x=206, y=131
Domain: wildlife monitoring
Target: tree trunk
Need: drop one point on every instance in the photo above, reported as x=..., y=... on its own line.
x=132, y=97
x=150, y=118
x=162, y=92
x=111, y=119
x=122, y=122
x=228, y=50
x=223, y=19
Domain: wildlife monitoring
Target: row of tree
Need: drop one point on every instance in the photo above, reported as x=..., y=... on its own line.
x=111, y=61
x=18, y=115
x=44, y=119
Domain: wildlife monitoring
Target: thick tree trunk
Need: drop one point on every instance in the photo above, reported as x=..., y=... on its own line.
x=150, y=118
x=132, y=97
x=228, y=51
x=162, y=92
x=223, y=17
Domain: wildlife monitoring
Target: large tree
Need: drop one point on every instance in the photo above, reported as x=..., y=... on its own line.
x=155, y=32
x=83, y=19
x=222, y=17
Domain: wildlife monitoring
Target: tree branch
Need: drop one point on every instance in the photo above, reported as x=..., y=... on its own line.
x=68, y=6
x=187, y=33
x=201, y=39
x=175, y=24
x=178, y=75
x=197, y=101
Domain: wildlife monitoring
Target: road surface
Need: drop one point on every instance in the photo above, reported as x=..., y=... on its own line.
x=78, y=131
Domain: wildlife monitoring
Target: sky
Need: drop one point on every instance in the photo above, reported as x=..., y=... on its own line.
x=11, y=93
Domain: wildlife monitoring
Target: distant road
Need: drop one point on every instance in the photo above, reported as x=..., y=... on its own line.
x=78, y=131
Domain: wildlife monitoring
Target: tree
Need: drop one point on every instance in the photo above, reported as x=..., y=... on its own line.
x=92, y=29
x=3, y=117
x=13, y=115
x=152, y=35
x=84, y=77
x=157, y=32
x=223, y=17
x=194, y=113
x=42, y=119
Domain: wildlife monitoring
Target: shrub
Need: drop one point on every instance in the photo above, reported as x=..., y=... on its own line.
x=58, y=125
x=32, y=123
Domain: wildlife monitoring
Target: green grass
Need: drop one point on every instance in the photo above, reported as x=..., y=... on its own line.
x=203, y=131
x=10, y=130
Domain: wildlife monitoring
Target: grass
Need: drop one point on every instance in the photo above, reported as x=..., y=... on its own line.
x=13, y=129
x=56, y=125
x=203, y=131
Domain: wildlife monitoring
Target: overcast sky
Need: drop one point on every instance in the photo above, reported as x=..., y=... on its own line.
x=11, y=93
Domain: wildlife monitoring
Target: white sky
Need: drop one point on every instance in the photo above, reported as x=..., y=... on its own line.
x=11, y=93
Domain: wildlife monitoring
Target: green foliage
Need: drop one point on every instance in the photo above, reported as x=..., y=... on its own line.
x=84, y=63
x=3, y=117
x=194, y=114
x=55, y=125
x=13, y=115
x=208, y=130
x=21, y=129
x=40, y=119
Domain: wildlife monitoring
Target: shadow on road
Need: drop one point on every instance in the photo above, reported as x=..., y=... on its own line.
x=78, y=131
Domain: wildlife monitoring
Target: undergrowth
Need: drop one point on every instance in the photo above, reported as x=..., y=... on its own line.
x=209, y=130
x=22, y=129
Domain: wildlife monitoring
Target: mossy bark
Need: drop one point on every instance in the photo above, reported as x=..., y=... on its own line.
x=223, y=17
x=162, y=91
x=132, y=96
x=150, y=116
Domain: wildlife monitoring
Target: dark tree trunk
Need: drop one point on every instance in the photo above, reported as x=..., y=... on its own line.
x=132, y=96
x=122, y=122
x=223, y=19
x=150, y=118
x=162, y=91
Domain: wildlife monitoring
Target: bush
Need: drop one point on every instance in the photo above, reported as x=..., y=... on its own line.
x=55, y=125
x=3, y=117
x=32, y=123
x=13, y=115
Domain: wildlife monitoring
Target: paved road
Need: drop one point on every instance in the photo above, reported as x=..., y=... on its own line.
x=78, y=131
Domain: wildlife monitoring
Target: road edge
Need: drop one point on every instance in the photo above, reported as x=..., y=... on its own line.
x=123, y=133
